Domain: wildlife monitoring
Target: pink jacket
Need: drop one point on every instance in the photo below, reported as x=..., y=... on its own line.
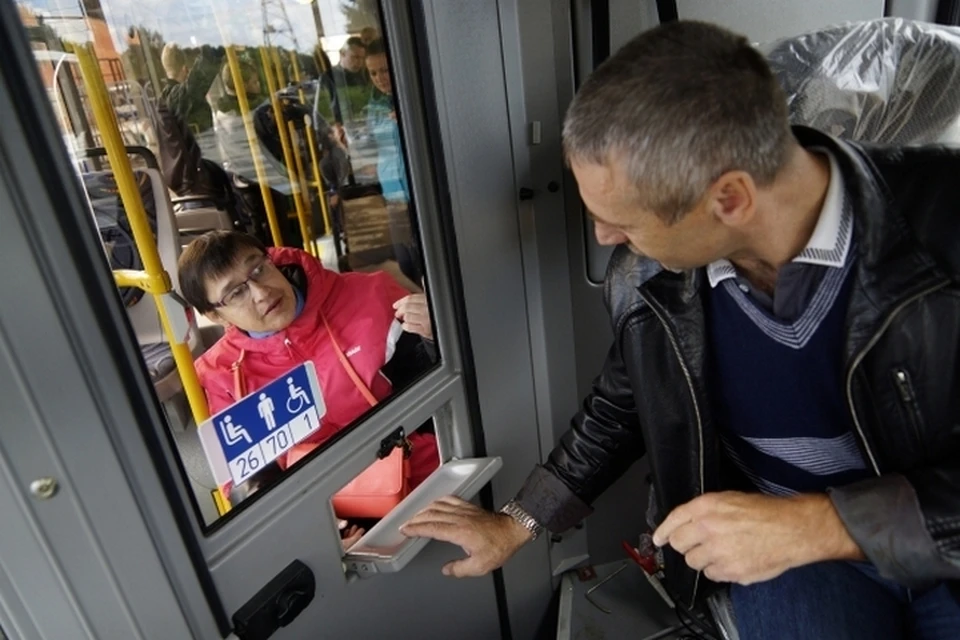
x=359, y=309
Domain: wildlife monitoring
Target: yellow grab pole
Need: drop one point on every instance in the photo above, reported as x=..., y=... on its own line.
x=285, y=144
x=117, y=153
x=312, y=142
x=157, y=282
x=132, y=278
x=154, y=280
x=281, y=76
x=240, y=88
x=306, y=224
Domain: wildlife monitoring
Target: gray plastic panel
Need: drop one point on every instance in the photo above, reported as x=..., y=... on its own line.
x=768, y=20
x=384, y=549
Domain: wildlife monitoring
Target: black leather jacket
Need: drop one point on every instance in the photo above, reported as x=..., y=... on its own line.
x=902, y=378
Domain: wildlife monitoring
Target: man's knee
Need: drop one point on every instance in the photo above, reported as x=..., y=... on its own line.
x=824, y=600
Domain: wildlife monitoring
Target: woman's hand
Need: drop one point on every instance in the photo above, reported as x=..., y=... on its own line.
x=350, y=535
x=414, y=315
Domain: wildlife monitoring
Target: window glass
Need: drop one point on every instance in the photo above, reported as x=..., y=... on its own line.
x=268, y=154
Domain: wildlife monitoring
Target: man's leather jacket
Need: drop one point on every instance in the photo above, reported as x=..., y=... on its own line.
x=901, y=371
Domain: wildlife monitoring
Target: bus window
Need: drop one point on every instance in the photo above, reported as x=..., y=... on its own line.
x=267, y=153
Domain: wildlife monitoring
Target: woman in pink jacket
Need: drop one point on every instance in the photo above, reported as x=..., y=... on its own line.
x=281, y=307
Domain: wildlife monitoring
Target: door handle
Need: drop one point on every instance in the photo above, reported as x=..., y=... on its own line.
x=277, y=604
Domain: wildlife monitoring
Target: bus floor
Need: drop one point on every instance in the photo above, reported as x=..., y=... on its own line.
x=636, y=612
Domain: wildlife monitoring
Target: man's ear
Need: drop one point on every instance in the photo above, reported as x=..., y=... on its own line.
x=733, y=198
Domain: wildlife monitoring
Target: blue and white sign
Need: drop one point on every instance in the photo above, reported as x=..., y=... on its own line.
x=253, y=432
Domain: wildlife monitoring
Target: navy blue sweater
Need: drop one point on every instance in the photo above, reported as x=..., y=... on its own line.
x=778, y=389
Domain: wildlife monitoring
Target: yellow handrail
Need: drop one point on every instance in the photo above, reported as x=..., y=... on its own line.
x=312, y=142
x=281, y=76
x=157, y=283
x=153, y=279
x=285, y=144
x=306, y=222
x=240, y=89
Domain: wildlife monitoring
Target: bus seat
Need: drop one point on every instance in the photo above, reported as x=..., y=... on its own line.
x=721, y=608
x=118, y=240
x=887, y=81
x=195, y=215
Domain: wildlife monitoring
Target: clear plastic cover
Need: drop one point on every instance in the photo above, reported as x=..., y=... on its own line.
x=889, y=81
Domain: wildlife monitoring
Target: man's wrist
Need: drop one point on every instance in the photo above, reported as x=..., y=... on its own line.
x=832, y=541
x=520, y=516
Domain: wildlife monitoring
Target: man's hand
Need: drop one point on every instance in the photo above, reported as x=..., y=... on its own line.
x=414, y=315
x=488, y=539
x=747, y=538
x=338, y=135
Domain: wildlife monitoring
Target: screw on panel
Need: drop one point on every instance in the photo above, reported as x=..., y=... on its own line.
x=44, y=488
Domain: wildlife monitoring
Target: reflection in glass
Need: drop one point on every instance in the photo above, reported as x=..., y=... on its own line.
x=274, y=129
x=280, y=307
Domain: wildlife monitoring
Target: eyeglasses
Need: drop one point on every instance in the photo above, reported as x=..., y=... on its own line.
x=241, y=293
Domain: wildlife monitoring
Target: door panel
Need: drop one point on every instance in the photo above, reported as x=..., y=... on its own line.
x=94, y=563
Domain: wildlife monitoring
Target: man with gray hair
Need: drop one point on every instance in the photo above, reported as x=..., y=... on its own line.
x=786, y=310
x=350, y=71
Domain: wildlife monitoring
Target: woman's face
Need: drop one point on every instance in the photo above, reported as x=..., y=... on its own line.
x=252, y=85
x=379, y=72
x=253, y=295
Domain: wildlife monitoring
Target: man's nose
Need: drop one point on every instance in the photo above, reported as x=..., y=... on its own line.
x=608, y=235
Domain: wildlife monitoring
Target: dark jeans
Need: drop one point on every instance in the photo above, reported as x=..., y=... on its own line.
x=841, y=600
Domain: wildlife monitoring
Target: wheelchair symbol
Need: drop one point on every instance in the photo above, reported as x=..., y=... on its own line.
x=298, y=396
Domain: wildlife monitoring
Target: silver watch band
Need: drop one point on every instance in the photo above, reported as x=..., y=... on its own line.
x=515, y=511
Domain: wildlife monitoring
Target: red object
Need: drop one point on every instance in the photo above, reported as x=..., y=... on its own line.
x=647, y=562
x=377, y=490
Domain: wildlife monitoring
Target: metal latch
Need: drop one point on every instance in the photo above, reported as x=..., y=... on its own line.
x=396, y=439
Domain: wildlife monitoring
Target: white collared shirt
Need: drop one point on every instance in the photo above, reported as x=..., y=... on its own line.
x=831, y=239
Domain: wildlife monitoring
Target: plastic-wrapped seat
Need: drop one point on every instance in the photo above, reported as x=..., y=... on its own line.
x=889, y=81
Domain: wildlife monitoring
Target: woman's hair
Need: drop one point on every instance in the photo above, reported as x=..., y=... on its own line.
x=208, y=257
x=376, y=48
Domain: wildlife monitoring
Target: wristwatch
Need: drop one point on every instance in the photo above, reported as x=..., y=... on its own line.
x=515, y=511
